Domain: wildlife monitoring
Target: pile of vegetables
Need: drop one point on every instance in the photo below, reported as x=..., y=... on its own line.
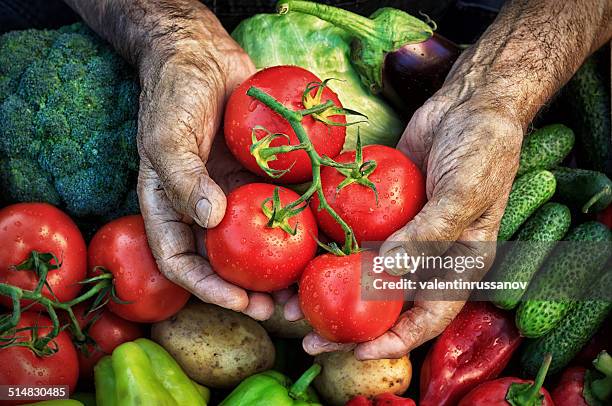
x=315, y=125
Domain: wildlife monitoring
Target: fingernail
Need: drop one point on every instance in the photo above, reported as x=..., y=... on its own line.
x=399, y=267
x=202, y=211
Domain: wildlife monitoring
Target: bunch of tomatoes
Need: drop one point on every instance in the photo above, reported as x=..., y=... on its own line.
x=289, y=127
x=35, y=351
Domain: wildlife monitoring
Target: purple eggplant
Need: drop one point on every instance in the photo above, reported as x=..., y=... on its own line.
x=394, y=53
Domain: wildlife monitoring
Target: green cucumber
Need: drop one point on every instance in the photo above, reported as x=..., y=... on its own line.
x=536, y=239
x=588, y=110
x=528, y=193
x=572, y=332
x=545, y=148
x=569, y=271
x=591, y=191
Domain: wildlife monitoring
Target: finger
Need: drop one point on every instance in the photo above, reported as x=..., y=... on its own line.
x=421, y=323
x=314, y=344
x=432, y=231
x=175, y=140
x=292, y=310
x=432, y=312
x=173, y=245
x=261, y=306
x=281, y=296
x=416, y=140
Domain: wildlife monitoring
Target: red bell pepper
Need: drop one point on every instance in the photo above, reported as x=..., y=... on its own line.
x=570, y=388
x=474, y=348
x=359, y=401
x=605, y=216
x=598, y=343
x=581, y=387
x=511, y=391
x=389, y=399
x=384, y=399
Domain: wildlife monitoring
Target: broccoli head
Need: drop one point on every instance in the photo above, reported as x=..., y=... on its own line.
x=68, y=110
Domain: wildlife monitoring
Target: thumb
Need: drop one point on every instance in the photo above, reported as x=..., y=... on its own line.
x=432, y=231
x=191, y=190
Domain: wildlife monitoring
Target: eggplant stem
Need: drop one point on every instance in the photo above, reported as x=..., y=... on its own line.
x=355, y=24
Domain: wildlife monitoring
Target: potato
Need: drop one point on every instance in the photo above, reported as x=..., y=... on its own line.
x=278, y=326
x=216, y=347
x=343, y=377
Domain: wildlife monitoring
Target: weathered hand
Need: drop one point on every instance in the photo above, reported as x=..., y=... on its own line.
x=184, y=173
x=467, y=143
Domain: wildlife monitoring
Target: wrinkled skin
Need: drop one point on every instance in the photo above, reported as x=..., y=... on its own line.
x=469, y=155
x=188, y=66
x=466, y=138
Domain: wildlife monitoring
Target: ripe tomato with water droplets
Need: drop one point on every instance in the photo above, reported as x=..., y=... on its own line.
x=243, y=113
x=121, y=248
x=22, y=366
x=41, y=227
x=243, y=250
x=106, y=331
x=401, y=195
x=336, y=303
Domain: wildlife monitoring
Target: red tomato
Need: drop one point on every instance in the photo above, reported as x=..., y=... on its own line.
x=401, y=195
x=21, y=366
x=243, y=250
x=243, y=113
x=121, y=248
x=27, y=227
x=107, y=332
x=330, y=296
x=493, y=393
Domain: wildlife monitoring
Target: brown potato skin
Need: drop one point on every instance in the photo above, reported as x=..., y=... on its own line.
x=216, y=347
x=343, y=377
x=278, y=326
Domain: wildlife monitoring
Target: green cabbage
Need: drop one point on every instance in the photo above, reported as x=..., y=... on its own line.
x=306, y=41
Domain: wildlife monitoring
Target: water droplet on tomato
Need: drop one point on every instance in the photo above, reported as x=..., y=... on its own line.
x=252, y=105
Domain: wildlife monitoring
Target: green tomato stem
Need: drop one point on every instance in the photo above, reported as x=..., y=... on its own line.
x=319, y=108
x=295, y=120
x=51, y=305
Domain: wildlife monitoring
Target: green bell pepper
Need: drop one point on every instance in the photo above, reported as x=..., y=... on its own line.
x=141, y=372
x=86, y=398
x=271, y=388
